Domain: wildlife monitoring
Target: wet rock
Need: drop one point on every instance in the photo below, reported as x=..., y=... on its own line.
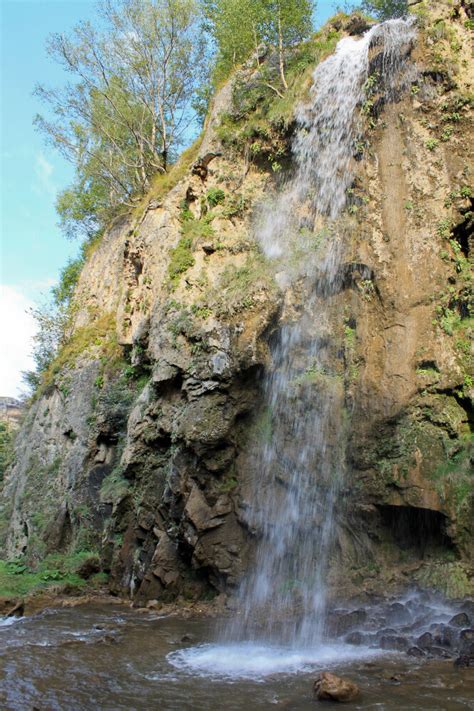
x=467, y=635
x=468, y=608
x=354, y=638
x=391, y=641
x=398, y=613
x=341, y=622
x=444, y=636
x=464, y=661
x=439, y=652
x=416, y=652
x=425, y=640
x=329, y=687
x=460, y=620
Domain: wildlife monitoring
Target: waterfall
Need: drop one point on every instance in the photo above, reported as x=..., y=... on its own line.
x=299, y=471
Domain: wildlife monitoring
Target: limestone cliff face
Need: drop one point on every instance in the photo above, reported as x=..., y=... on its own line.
x=140, y=445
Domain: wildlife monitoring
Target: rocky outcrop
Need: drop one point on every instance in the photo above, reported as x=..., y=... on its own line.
x=11, y=411
x=140, y=444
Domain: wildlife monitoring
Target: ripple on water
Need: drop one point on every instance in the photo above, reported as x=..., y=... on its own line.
x=249, y=660
x=7, y=621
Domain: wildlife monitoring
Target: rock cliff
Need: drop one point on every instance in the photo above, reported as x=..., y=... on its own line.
x=138, y=445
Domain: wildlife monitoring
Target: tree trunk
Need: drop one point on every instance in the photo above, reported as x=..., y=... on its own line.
x=280, y=51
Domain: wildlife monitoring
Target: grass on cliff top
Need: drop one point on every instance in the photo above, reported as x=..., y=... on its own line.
x=101, y=335
x=162, y=183
x=17, y=579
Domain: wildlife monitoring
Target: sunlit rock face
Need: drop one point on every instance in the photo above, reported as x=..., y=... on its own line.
x=294, y=371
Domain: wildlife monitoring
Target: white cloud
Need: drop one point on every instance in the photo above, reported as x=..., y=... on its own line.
x=44, y=171
x=17, y=327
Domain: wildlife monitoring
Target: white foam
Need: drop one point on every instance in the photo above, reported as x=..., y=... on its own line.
x=250, y=660
x=7, y=621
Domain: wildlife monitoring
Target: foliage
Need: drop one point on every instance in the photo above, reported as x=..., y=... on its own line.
x=215, y=196
x=380, y=9
x=128, y=107
x=385, y=9
x=99, y=335
x=114, y=487
x=17, y=578
x=260, y=123
x=181, y=259
x=239, y=27
x=6, y=447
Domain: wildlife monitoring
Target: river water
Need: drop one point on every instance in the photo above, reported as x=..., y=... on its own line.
x=112, y=658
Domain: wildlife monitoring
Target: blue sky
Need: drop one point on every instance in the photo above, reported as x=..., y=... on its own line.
x=33, y=249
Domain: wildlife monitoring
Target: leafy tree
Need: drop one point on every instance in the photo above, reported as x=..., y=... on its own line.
x=128, y=106
x=380, y=9
x=238, y=27
x=385, y=9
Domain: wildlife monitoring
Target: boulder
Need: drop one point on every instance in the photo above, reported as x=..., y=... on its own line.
x=416, y=652
x=460, y=620
x=329, y=687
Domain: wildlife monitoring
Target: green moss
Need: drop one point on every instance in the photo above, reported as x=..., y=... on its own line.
x=114, y=487
x=181, y=259
x=228, y=485
x=238, y=287
x=450, y=578
x=349, y=337
x=99, y=336
x=262, y=427
x=454, y=476
x=215, y=196
x=164, y=182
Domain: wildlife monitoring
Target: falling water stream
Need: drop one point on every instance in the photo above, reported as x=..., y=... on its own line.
x=300, y=470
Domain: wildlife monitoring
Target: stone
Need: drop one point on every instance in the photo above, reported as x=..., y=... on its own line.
x=460, y=620
x=354, y=638
x=416, y=652
x=425, y=640
x=342, y=621
x=329, y=687
x=439, y=652
x=464, y=661
x=392, y=641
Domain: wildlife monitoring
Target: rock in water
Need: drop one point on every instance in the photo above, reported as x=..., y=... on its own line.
x=329, y=687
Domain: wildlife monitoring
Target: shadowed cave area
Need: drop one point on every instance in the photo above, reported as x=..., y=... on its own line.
x=417, y=529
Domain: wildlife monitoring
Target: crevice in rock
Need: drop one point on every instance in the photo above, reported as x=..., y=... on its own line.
x=415, y=528
x=66, y=532
x=462, y=233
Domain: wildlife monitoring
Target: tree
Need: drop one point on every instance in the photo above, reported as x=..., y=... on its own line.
x=381, y=9
x=128, y=106
x=238, y=27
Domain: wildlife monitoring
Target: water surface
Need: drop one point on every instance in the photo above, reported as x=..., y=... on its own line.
x=117, y=659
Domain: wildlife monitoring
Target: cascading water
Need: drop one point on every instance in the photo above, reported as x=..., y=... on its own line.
x=300, y=469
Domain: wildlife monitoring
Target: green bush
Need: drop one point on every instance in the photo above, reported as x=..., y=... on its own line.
x=215, y=196
x=181, y=259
